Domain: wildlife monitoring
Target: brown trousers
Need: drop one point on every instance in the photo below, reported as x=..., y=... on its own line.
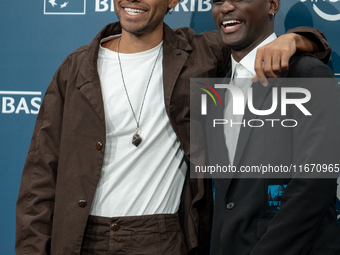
x=147, y=234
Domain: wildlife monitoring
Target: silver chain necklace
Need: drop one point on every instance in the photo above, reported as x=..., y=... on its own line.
x=136, y=138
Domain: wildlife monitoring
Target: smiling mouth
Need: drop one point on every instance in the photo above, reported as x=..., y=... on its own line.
x=132, y=11
x=231, y=23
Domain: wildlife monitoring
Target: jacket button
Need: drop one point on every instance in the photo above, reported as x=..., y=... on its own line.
x=115, y=227
x=230, y=205
x=82, y=203
x=99, y=145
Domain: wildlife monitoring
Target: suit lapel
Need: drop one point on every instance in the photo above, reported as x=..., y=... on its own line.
x=220, y=133
x=260, y=93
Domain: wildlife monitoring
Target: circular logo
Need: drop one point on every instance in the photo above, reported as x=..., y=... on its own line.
x=322, y=14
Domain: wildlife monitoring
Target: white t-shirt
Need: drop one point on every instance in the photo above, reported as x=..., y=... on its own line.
x=147, y=179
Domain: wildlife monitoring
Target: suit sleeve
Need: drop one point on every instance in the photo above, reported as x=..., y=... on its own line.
x=319, y=38
x=35, y=204
x=305, y=203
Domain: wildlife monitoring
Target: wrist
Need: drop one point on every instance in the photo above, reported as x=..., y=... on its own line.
x=298, y=41
x=303, y=44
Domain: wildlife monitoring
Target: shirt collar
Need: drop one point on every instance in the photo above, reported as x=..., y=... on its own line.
x=249, y=60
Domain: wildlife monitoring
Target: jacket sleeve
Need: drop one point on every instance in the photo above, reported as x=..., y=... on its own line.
x=319, y=38
x=35, y=204
x=308, y=203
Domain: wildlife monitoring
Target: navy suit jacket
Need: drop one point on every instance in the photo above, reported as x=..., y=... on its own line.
x=246, y=218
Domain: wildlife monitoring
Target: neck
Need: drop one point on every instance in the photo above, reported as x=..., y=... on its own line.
x=131, y=43
x=134, y=43
x=239, y=54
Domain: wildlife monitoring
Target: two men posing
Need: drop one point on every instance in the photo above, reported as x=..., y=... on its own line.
x=106, y=172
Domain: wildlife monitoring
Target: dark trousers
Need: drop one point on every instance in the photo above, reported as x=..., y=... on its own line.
x=148, y=234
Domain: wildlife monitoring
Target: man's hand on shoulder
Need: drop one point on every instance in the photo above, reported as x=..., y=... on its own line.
x=273, y=58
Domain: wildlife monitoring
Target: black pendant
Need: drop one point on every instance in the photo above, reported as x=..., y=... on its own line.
x=136, y=139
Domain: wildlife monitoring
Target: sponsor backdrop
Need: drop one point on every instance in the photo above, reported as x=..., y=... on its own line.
x=37, y=35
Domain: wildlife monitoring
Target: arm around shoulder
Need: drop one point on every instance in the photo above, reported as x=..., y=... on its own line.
x=312, y=40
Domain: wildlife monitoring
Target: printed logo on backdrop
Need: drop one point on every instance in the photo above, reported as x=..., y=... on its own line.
x=64, y=7
x=20, y=102
x=184, y=5
x=78, y=7
x=325, y=9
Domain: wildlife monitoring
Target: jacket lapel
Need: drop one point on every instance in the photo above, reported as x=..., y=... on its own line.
x=91, y=89
x=175, y=54
x=223, y=152
x=88, y=79
x=260, y=93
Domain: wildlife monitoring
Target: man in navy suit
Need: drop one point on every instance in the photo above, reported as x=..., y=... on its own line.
x=288, y=214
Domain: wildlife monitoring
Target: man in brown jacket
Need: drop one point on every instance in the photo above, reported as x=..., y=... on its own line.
x=106, y=171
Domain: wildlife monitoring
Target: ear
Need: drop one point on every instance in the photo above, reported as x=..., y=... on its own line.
x=274, y=6
x=172, y=3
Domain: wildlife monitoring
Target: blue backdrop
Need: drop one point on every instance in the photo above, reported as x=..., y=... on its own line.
x=37, y=35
